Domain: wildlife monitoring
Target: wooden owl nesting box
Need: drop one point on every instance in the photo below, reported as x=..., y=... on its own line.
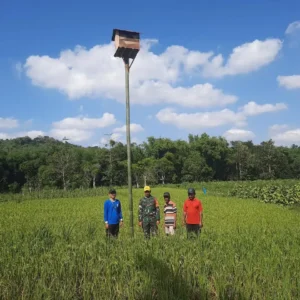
x=127, y=43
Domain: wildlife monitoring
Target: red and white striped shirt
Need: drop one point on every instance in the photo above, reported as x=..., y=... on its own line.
x=170, y=212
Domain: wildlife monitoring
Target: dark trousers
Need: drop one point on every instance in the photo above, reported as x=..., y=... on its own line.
x=112, y=230
x=150, y=227
x=193, y=230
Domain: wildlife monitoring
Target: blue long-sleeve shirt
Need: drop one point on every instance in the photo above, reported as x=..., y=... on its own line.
x=112, y=211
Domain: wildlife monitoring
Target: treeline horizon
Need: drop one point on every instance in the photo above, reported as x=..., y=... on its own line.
x=43, y=162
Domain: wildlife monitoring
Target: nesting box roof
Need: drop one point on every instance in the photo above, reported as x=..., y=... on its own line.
x=125, y=33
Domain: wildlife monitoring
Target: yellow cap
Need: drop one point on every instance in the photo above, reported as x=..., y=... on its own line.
x=147, y=188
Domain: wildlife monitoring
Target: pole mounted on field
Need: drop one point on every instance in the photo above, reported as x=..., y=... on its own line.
x=127, y=44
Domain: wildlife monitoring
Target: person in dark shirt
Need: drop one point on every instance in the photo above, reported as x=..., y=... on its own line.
x=149, y=213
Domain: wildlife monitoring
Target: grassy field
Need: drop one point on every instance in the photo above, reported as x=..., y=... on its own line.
x=283, y=192
x=56, y=249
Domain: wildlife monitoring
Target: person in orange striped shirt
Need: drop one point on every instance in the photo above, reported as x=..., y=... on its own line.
x=170, y=212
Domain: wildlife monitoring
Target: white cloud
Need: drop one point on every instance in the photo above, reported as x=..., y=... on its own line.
x=244, y=59
x=200, y=120
x=235, y=134
x=32, y=134
x=95, y=72
x=277, y=128
x=283, y=135
x=134, y=128
x=289, y=82
x=293, y=27
x=83, y=123
x=288, y=137
x=73, y=135
x=4, y=136
x=253, y=109
x=77, y=129
x=119, y=134
x=80, y=129
x=117, y=137
x=103, y=141
x=293, y=34
x=8, y=123
x=199, y=95
x=154, y=78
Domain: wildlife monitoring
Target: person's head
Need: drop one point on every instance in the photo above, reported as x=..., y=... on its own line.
x=191, y=193
x=167, y=197
x=147, y=191
x=112, y=193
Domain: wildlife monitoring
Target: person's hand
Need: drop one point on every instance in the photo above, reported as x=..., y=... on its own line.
x=201, y=225
x=121, y=223
x=140, y=224
x=157, y=222
x=106, y=225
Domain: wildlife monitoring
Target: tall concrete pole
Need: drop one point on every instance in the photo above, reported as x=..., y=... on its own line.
x=130, y=200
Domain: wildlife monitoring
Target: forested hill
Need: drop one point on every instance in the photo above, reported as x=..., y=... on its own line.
x=44, y=162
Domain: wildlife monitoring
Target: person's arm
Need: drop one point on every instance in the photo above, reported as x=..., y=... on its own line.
x=106, y=214
x=120, y=213
x=157, y=211
x=184, y=213
x=175, y=214
x=201, y=215
x=140, y=213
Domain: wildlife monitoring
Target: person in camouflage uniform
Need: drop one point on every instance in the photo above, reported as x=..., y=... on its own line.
x=149, y=213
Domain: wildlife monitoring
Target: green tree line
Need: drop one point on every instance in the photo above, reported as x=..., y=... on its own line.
x=44, y=162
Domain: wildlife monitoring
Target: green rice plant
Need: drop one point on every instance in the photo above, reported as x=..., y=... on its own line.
x=57, y=249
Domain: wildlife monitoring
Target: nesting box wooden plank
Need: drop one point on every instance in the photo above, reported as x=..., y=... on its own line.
x=126, y=53
x=127, y=43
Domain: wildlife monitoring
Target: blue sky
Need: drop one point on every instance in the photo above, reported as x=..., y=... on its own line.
x=229, y=69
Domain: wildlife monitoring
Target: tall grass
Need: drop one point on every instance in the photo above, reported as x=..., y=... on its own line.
x=56, y=249
x=242, y=189
x=53, y=194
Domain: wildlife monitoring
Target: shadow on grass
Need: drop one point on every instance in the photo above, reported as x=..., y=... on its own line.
x=167, y=282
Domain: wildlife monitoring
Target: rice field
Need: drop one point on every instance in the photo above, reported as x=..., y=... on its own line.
x=56, y=249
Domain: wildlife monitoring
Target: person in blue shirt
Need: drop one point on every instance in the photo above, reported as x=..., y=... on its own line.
x=113, y=217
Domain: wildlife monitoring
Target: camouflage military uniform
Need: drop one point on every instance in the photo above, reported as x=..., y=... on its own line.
x=149, y=214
